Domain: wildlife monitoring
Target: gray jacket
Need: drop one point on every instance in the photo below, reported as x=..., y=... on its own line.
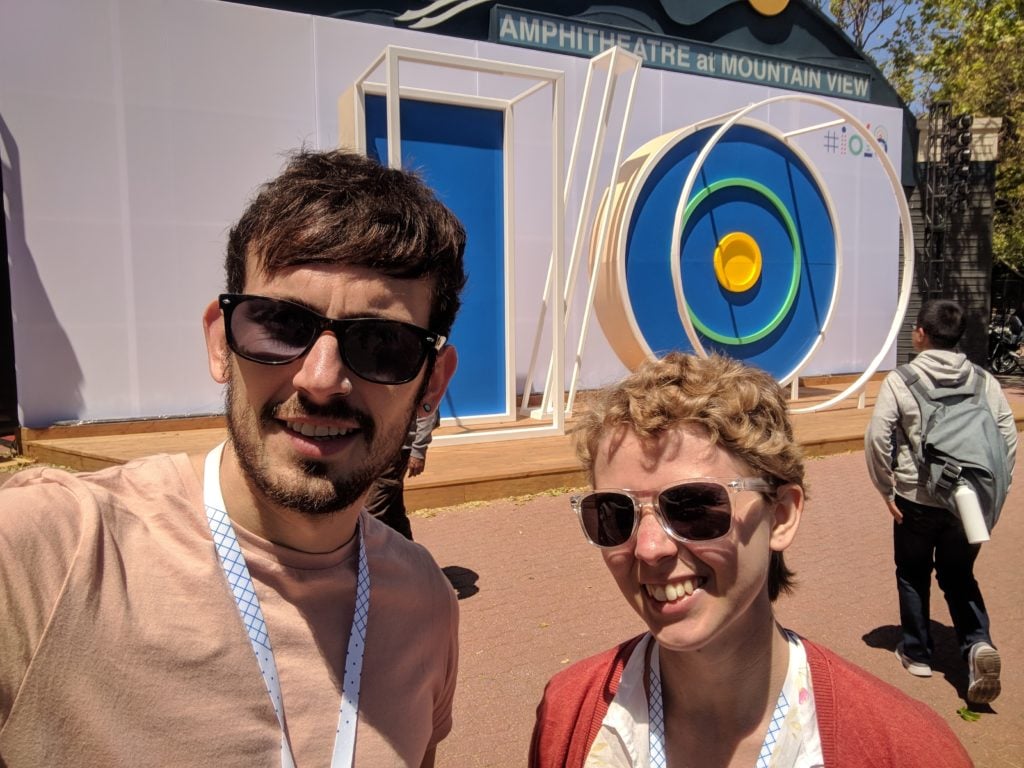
x=420, y=434
x=896, y=423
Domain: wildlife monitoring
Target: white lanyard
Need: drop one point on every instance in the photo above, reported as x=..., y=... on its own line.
x=233, y=562
x=656, y=715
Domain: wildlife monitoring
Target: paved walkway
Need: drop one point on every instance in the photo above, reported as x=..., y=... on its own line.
x=542, y=599
x=537, y=597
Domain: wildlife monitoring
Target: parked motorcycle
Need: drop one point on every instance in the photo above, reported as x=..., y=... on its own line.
x=1002, y=350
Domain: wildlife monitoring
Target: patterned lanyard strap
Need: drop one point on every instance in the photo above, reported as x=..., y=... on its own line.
x=656, y=714
x=237, y=572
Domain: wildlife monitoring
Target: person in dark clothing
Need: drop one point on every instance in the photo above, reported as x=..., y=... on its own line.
x=386, y=500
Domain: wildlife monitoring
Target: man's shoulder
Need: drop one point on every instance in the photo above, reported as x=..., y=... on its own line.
x=53, y=519
x=396, y=563
x=901, y=379
x=970, y=374
x=897, y=377
x=128, y=475
x=54, y=490
x=916, y=367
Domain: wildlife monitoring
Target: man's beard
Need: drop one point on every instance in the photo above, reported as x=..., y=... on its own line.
x=313, y=493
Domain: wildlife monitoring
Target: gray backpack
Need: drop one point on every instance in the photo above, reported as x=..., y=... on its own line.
x=960, y=442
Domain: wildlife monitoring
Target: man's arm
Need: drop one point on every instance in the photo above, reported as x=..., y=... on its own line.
x=879, y=445
x=424, y=434
x=41, y=534
x=1004, y=420
x=894, y=510
x=443, y=704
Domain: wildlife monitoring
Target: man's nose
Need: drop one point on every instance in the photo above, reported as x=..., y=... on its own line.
x=322, y=375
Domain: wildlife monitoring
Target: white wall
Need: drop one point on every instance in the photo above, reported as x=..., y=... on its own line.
x=133, y=132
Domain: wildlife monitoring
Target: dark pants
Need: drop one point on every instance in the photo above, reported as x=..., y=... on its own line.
x=386, y=501
x=933, y=537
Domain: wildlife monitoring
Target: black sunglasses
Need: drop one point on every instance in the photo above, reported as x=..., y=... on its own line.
x=691, y=510
x=275, y=332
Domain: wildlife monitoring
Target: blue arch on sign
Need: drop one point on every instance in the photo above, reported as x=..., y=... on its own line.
x=744, y=152
x=459, y=152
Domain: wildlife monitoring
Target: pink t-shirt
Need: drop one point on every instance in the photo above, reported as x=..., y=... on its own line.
x=121, y=643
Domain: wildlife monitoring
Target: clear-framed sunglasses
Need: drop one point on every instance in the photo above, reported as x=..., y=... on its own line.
x=698, y=509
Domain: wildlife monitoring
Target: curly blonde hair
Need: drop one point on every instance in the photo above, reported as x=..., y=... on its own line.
x=740, y=407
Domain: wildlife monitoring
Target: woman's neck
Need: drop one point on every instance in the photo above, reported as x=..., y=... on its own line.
x=719, y=700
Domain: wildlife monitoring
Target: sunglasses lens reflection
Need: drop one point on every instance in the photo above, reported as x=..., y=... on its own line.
x=694, y=511
x=697, y=511
x=383, y=351
x=607, y=518
x=271, y=331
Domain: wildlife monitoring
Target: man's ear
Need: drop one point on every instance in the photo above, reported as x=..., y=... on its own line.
x=444, y=368
x=218, y=354
x=787, y=509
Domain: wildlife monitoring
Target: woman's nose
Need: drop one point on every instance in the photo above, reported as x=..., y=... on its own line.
x=652, y=543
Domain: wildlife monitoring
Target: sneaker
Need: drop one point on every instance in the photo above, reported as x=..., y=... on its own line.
x=916, y=668
x=984, y=663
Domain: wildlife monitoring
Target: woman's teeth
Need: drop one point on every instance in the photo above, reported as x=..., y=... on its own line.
x=668, y=593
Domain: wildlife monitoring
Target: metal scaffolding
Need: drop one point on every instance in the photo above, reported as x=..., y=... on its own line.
x=946, y=189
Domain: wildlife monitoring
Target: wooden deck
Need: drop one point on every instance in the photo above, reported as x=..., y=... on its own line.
x=455, y=474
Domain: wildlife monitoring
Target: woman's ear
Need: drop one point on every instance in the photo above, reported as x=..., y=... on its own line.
x=217, y=352
x=787, y=509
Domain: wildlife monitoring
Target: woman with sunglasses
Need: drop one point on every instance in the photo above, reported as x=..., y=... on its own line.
x=698, y=490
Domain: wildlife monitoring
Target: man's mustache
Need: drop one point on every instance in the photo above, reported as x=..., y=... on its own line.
x=298, y=407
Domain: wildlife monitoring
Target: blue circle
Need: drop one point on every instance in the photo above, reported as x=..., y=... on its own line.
x=762, y=194
x=743, y=152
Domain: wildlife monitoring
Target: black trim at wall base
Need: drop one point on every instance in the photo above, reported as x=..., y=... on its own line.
x=8, y=381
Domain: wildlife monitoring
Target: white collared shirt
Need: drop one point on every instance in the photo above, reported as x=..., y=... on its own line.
x=623, y=740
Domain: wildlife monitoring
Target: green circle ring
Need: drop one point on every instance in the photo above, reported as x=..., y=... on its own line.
x=794, y=282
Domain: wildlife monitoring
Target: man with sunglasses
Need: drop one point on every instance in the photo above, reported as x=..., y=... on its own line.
x=241, y=607
x=698, y=490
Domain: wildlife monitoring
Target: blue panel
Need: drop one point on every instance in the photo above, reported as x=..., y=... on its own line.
x=459, y=152
x=749, y=154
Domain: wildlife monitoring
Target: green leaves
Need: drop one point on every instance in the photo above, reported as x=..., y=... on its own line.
x=966, y=52
x=967, y=714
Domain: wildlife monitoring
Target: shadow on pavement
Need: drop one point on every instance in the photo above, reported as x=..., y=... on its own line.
x=946, y=659
x=463, y=580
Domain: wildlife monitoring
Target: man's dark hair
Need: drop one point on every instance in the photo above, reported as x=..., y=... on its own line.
x=338, y=207
x=943, y=321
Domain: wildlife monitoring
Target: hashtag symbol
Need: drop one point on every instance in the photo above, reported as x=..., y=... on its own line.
x=831, y=141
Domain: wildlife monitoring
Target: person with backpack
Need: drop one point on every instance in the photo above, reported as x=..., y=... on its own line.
x=941, y=426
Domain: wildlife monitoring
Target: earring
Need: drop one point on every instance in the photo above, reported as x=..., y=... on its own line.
x=426, y=407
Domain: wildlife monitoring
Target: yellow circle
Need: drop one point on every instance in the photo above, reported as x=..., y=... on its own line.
x=737, y=262
x=769, y=7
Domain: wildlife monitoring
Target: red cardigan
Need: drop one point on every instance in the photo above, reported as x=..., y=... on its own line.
x=862, y=721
